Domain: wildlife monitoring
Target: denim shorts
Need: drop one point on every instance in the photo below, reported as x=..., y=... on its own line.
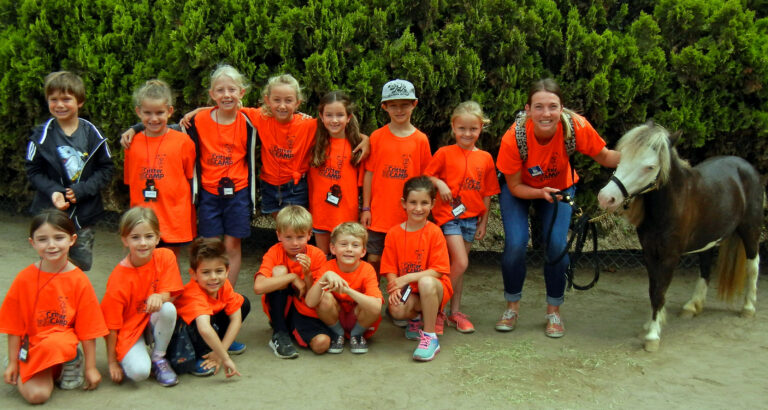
x=464, y=227
x=277, y=197
x=227, y=216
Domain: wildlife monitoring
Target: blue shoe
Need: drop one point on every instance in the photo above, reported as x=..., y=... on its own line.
x=163, y=373
x=236, y=348
x=428, y=348
x=202, y=371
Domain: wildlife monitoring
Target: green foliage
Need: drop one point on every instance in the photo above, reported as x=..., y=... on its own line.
x=694, y=65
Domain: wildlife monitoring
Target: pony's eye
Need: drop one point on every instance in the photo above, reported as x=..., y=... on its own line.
x=650, y=168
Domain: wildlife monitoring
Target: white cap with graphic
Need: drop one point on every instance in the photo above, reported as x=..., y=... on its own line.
x=398, y=90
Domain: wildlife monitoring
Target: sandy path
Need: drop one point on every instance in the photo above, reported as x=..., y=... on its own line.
x=716, y=360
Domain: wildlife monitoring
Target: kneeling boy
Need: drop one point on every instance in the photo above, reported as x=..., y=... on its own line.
x=346, y=292
x=283, y=278
x=212, y=308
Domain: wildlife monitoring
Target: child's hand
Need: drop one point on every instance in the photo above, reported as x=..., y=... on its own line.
x=300, y=286
x=186, y=120
x=11, y=374
x=127, y=137
x=364, y=147
x=229, y=368
x=480, y=232
x=59, y=201
x=154, y=303
x=92, y=378
x=334, y=282
x=365, y=219
x=70, y=195
x=396, y=285
x=394, y=298
x=443, y=190
x=115, y=372
x=305, y=261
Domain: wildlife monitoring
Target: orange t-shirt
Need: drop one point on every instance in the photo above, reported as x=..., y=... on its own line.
x=393, y=161
x=276, y=256
x=408, y=252
x=471, y=175
x=65, y=313
x=286, y=148
x=336, y=171
x=222, y=150
x=363, y=279
x=169, y=161
x=547, y=165
x=195, y=302
x=125, y=300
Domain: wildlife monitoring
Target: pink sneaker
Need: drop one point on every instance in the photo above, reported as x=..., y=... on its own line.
x=440, y=323
x=461, y=322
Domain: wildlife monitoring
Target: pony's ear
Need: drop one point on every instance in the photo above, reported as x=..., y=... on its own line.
x=674, y=138
x=650, y=123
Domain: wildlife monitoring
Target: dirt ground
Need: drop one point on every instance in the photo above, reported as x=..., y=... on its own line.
x=717, y=360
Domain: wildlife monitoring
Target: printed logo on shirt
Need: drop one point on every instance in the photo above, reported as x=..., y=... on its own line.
x=396, y=171
x=330, y=173
x=53, y=317
x=472, y=184
x=219, y=160
x=552, y=172
x=151, y=173
x=72, y=160
x=281, y=153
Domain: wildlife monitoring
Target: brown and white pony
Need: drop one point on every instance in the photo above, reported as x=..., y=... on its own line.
x=680, y=209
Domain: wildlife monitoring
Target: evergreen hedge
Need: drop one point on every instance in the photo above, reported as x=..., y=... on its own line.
x=694, y=65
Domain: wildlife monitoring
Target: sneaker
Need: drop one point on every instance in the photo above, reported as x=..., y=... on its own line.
x=236, y=348
x=400, y=323
x=72, y=373
x=440, y=323
x=337, y=344
x=358, y=344
x=508, y=321
x=282, y=346
x=554, y=325
x=428, y=348
x=461, y=322
x=414, y=329
x=202, y=371
x=163, y=373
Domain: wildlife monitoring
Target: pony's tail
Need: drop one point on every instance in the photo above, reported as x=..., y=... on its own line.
x=730, y=268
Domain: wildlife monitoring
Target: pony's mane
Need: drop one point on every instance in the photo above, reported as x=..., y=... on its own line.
x=655, y=137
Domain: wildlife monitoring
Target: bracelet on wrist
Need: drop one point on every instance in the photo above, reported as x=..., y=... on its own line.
x=365, y=208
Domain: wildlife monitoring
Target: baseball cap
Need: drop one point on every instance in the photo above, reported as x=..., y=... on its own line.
x=398, y=90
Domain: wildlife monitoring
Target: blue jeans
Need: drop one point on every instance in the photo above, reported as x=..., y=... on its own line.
x=514, y=216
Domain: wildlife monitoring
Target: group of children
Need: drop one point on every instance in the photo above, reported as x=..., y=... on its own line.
x=317, y=176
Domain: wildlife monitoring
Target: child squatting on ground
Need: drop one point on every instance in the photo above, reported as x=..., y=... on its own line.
x=283, y=278
x=212, y=309
x=44, y=352
x=137, y=304
x=346, y=291
x=68, y=163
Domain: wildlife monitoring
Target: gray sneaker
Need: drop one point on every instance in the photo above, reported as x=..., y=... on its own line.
x=337, y=344
x=72, y=373
x=282, y=346
x=358, y=344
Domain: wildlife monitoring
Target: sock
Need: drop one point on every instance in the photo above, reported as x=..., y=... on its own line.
x=336, y=327
x=432, y=335
x=358, y=330
x=416, y=319
x=155, y=355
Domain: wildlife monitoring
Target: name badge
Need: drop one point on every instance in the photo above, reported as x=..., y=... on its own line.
x=333, y=197
x=535, y=171
x=226, y=187
x=150, y=191
x=457, y=207
x=24, y=351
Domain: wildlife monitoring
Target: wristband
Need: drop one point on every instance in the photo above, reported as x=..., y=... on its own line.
x=365, y=208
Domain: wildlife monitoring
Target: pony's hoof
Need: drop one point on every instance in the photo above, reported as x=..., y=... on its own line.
x=687, y=314
x=747, y=313
x=651, y=345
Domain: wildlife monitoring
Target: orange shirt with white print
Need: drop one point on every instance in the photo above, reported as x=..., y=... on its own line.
x=276, y=256
x=286, y=148
x=547, y=164
x=393, y=161
x=362, y=279
x=56, y=311
x=169, y=161
x=125, y=300
x=222, y=150
x=194, y=301
x=337, y=176
x=471, y=175
x=408, y=252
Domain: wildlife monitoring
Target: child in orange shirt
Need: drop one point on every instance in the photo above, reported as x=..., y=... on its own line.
x=346, y=291
x=283, y=278
x=464, y=198
x=415, y=262
x=399, y=151
x=212, y=309
x=138, y=301
x=49, y=308
x=159, y=166
x=334, y=175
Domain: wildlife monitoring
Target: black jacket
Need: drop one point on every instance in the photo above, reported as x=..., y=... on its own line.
x=47, y=175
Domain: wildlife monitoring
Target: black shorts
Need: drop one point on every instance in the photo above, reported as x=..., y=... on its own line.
x=305, y=328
